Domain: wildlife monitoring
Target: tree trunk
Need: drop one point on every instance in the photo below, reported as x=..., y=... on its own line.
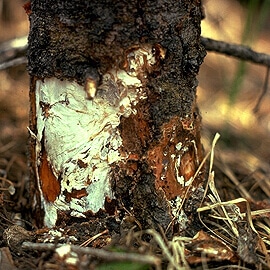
x=114, y=122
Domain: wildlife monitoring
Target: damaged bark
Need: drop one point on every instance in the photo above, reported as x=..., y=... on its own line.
x=114, y=121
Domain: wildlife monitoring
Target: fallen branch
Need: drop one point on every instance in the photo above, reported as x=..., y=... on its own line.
x=239, y=51
x=99, y=253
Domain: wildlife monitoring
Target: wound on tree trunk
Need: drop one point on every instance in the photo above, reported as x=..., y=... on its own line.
x=114, y=121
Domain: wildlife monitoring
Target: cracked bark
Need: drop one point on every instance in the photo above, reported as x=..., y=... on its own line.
x=114, y=120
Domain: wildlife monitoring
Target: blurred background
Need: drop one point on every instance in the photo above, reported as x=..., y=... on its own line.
x=229, y=89
x=228, y=93
x=14, y=108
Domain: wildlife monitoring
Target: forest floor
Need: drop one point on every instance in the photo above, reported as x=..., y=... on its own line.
x=236, y=232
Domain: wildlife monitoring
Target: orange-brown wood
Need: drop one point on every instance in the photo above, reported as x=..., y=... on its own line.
x=50, y=186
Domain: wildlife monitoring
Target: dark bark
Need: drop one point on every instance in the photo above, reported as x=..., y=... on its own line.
x=82, y=40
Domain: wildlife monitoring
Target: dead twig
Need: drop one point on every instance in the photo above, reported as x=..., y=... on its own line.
x=99, y=253
x=239, y=51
